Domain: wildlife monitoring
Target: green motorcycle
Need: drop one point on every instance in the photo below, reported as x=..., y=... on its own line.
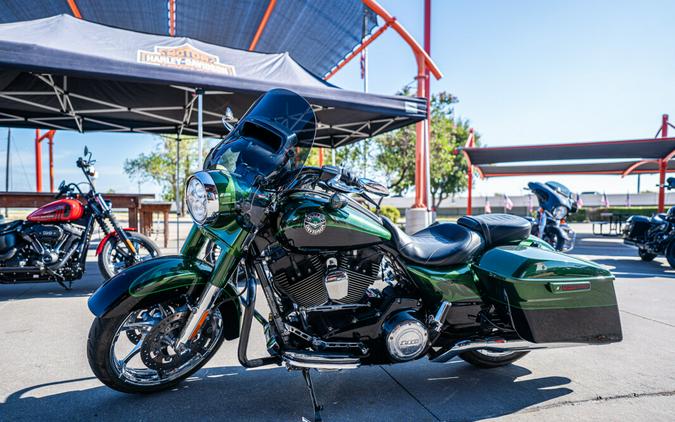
x=345, y=286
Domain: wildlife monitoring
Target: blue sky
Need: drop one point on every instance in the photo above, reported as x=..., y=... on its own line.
x=525, y=72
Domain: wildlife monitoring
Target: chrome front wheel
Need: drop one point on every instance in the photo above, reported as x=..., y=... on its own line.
x=136, y=353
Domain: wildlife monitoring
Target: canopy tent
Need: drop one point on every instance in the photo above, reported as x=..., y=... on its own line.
x=66, y=73
x=268, y=26
x=638, y=156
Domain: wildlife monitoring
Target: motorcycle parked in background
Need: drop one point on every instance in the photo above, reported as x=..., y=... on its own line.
x=556, y=203
x=345, y=287
x=654, y=235
x=52, y=244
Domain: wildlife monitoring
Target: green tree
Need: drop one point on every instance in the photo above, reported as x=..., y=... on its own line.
x=159, y=166
x=395, y=157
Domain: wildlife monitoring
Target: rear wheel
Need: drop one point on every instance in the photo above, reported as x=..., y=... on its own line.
x=484, y=358
x=554, y=239
x=670, y=254
x=114, y=256
x=646, y=256
x=135, y=353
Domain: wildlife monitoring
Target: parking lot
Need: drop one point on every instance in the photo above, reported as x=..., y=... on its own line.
x=44, y=373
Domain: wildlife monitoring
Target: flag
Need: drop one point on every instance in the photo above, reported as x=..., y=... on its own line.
x=628, y=199
x=580, y=202
x=508, y=203
x=488, y=208
x=605, y=201
x=363, y=63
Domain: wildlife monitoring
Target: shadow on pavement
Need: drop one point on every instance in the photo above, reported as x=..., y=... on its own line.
x=441, y=392
x=632, y=268
x=91, y=280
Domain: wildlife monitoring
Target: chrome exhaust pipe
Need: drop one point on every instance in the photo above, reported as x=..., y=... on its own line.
x=498, y=345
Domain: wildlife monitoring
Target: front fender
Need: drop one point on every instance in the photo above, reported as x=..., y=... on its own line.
x=157, y=280
x=107, y=238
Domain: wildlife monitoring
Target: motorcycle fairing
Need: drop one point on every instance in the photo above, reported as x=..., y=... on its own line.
x=167, y=276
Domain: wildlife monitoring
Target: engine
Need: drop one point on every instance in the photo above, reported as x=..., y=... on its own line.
x=350, y=298
x=38, y=246
x=313, y=280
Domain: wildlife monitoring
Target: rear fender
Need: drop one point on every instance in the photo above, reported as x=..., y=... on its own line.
x=107, y=238
x=161, y=279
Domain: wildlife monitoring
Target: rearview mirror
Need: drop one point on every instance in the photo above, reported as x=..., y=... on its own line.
x=373, y=187
x=86, y=151
x=228, y=119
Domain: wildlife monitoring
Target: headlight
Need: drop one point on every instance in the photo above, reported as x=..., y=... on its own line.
x=559, y=212
x=201, y=196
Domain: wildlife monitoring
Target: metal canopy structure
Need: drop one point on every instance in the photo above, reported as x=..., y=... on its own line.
x=323, y=36
x=638, y=156
x=316, y=33
x=67, y=73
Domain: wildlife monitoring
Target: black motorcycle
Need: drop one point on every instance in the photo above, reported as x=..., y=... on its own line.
x=556, y=202
x=654, y=235
x=52, y=244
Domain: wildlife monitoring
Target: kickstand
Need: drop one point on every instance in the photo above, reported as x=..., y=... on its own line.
x=68, y=287
x=317, y=407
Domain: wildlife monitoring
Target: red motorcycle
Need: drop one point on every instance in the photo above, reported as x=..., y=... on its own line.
x=52, y=244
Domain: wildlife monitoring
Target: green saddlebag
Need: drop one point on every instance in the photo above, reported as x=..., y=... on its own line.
x=550, y=297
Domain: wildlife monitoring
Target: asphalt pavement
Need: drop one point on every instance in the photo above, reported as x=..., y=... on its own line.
x=44, y=373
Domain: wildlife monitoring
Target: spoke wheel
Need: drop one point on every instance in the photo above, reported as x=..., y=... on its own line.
x=115, y=255
x=137, y=353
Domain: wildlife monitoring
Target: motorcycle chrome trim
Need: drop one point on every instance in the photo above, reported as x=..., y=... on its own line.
x=247, y=319
x=497, y=344
x=198, y=316
x=319, y=361
x=441, y=315
x=211, y=201
x=336, y=307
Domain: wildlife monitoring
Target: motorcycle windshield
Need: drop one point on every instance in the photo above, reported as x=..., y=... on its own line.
x=269, y=145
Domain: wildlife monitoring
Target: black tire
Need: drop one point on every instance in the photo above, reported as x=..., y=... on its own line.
x=646, y=256
x=137, y=238
x=480, y=360
x=670, y=254
x=554, y=239
x=99, y=343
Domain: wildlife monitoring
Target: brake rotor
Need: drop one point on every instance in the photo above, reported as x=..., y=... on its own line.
x=157, y=350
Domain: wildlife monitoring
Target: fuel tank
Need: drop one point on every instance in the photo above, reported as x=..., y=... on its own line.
x=60, y=211
x=308, y=222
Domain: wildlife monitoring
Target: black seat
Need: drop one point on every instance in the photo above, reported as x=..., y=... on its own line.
x=497, y=229
x=439, y=245
x=10, y=226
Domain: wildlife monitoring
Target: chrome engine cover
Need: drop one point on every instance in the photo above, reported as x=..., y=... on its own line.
x=405, y=336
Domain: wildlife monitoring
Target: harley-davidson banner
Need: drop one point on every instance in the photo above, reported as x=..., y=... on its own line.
x=185, y=57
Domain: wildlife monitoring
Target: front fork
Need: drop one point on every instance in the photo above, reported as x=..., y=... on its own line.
x=233, y=243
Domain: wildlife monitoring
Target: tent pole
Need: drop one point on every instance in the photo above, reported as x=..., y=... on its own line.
x=9, y=141
x=332, y=155
x=200, y=127
x=663, y=165
x=178, y=202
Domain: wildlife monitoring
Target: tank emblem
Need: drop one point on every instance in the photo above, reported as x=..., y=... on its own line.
x=315, y=223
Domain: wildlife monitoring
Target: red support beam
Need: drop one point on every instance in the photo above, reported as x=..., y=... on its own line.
x=49, y=135
x=663, y=166
x=38, y=162
x=358, y=50
x=74, y=9
x=50, y=140
x=172, y=18
x=469, y=200
x=262, y=25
